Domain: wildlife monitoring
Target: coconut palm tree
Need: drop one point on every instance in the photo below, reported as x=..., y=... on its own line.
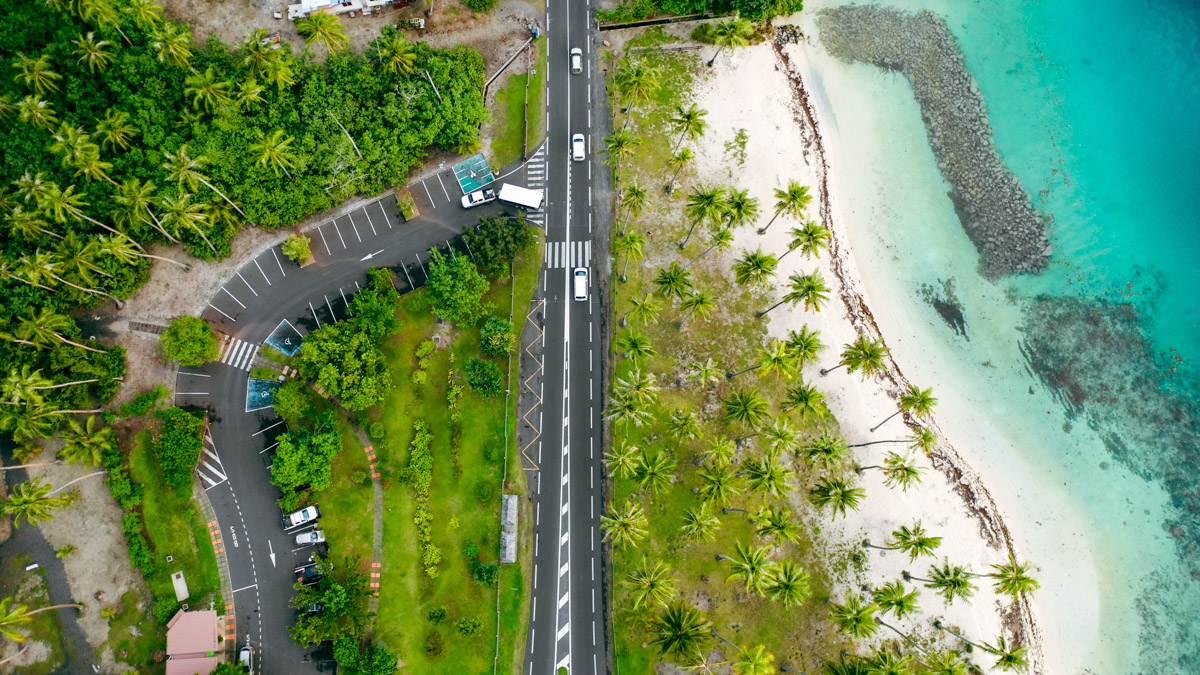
x=746, y=407
x=624, y=525
x=115, y=130
x=146, y=14
x=395, y=54
x=689, y=122
x=38, y=265
x=915, y=401
x=31, y=502
x=1013, y=578
x=754, y=661
x=103, y=14
x=677, y=162
x=35, y=112
x=731, y=33
x=705, y=664
x=644, y=310
x=639, y=386
x=683, y=425
x=755, y=269
x=674, y=280
x=635, y=346
x=751, y=565
x=135, y=204
x=776, y=522
x=618, y=147
x=325, y=29
x=79, y=257
x=180, y=212
x=889, y=662
x=44, y=329
x=912, y=540
x=767, y=475
x=720, y=239
x=863, y=355
x=705, y=204
x=805, y=400
x=718, y=484
x=90, y=166
x=7, y=107
x=275, y=150
x=279, y=73
x=12, y=616
x=655, y=473
x=37, y=74
x=633, y=200
x=741, y=209
x=650, y=584
x=172, y=44
x=25, y=386
x=704, y=372
x=809, y=289
x=946, y=662
x=837, y=494
x=949, y=581
x=923, y=439
x=623, y=460
x=825, y=451
x=791, y=201
x=93, y=53
x=699, y=303
x=185, y=170
x=788, y=584
x=699, y=524
x=805, y=344
x=897, y=471
x=85, y=443
x=258, y=50
x=781, y=436
x=205, y=89
x=622, y=410
x=71, y=142
x=1010, y=657
x=127, y=255
x=810, y=238
x=681, y=629
x=895, y=598
x=631, y=245
x=855, y=618
x=28, y=421
x=637, y=84
x=27, y=225
x=249, y=93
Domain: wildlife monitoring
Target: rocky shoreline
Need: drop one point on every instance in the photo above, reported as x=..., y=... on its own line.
x=992, y=205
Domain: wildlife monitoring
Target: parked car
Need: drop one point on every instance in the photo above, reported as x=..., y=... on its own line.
x=314, y=608
x=578, y=149
x=309, y=538
x=304, y=516
x=246, y=657
x=577, y=60
x=308, y=574
x=478, y=197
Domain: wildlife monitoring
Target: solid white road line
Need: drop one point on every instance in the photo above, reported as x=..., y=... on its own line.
x=355, y=228
x=428, y=195
x=194, y=374
x=368, y=215
x=439, y=177
x=314, y=313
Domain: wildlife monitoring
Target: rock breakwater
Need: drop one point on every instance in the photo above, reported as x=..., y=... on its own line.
x=992, y=205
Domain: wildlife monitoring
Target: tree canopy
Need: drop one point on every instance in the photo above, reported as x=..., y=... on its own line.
x=177, y=445
x=302, y=460
x=497, y=240
x=456, y=289
x=190, y=341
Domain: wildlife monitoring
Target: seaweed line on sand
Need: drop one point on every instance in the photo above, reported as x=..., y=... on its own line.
x=965, y=481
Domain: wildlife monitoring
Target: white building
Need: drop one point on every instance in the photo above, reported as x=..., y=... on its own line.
x=306, y=7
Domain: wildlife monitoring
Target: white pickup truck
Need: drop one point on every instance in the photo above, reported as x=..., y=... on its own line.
x=305, y=515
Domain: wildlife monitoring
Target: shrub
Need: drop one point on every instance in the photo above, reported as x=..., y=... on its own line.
x=292, y=401
x=109, y=416
x=437, y=615
x=190, y=341
x=425, y=348
x=494, y=451
x=139, y=550
x=480, y=5
x=496, y=337
x=435, y=646
x=486, y=573
x=483, y=491
x=497, y=240
x=358, y=477
x=471, y=550
x=66, y=551
x=144, y=402
x=419, y=377
x=468, y=626
x=297, y=248
x=484, y=377
x=164, y=609
x=376, y=430
x=177, y=445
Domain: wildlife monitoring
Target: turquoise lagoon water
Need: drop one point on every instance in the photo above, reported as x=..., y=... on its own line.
x=1088, y=370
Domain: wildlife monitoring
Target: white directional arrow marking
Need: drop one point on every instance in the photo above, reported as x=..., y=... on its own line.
x=370, y=255
x=272, y=549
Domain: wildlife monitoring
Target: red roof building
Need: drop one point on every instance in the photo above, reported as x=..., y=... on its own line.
x=192, y=647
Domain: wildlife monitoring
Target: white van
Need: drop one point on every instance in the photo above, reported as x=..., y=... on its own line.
x=581, y=283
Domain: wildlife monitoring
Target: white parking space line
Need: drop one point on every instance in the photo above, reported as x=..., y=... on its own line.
x=344, y=302
x=260, y=271
x=355, y=227
x=233, y=296
x=247, y=284
x=327, y=251
x=194, y=374
x=222, y=313
x=381, y=210
x=266, y=429
x=439, y=177
x=428, y=195
x=339, y=231
x=364, y=211
x=330, y=308
x=278, y=263
x=191, y=393
x=314, y=313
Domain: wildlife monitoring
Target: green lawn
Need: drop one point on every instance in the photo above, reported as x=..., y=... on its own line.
x=29, y=588
x=347, y=508
x=508, y=127
x=131, y=637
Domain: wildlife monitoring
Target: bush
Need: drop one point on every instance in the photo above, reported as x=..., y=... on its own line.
x=497, y=240
x=468, y=626
x=456, y=289
x=435, y=646
x=483, y=491
x=297, y=248
x=486, y=573
x=144, y=402
x=437, y=615
x=358, y=477
x=496, y=337
x=292, y=401
x=426, y=348
x=419, y=377
x=177, y=445
x=164, y=609
x=484, y=377
x=190, y=341
x=480, y=5
x=471, y=550
x=376, y=430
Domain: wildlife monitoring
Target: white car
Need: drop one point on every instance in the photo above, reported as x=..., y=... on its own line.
x=246, y=657
x=581, y=283
x=301, y=517
x=577, y=60
x=309, y=538
x=478, y=197
x=577, y=148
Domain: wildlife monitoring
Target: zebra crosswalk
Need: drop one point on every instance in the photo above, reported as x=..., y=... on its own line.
x=561, y=255
x=535, y=179
x=237, y=353
x=209, y=468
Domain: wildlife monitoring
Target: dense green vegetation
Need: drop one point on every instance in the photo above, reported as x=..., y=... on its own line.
x=177, y=446
x=302, y=463
x=754, y=10
x=190, y=341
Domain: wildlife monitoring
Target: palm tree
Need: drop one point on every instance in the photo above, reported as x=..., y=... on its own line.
x=855, y=618
x=949, y=581
x=751, y=565
x=781, y=435
x=791, y=201
x=705, y=664
x=912, y=540
x=826, y=450
x=71, y=142
x=635, y=346
x=776, y=522
x=27, y=421
x=146, y=14
x=838, y=494
x=650, y=583
x=805, y=344
x=44, y=329
x=7, y=108
x=699, y=524
x=135, y=202
x=624, y=525
x=755, y=661
x=699, y=303
x=631, y=245
x=655, y=473
x=26, y=385
x=720, y=239
x=103, y=14
x=249, y=93
x=746, y=407
x=19, y=615
x=741, y=209
x=788, y=584
x=85, y=443
x=767, y=475
x=32, y=502
x=94, y=53
x=705, y=372
x=205, y=89
x=683, y=425
x=755, y=269
x=864, y=354
x=258, y=50
x=623, y=460
x=172, y=44
x=897, y=471
x=890, y=662
x=185, y=170
x=718, y=484
x=115, y=130
x=674, y=280
x=806, y=400
x=732, y=33
x=809, y=289
x=916, y=402
x=637, y=84
x=618, y=147
x=37, y=74
x=90, y=166
x=78, y=257
x=279, y=73
x=639, y=386
x=35, y=112
x=922, y=439
x=681, y=629
x=1013, y=578
x=633, y=200
x=326, y=29
x=180, y=212
x=1010, y=657
x=895, y=598
x=27, y=225
x=37, y=265
x=705, y=203
x=275, y=150
x=689, y=122
x=644, y=309
x=677, y=162
x=721, y=450
x=397, y=56
x=810, y=238
x=624, y=410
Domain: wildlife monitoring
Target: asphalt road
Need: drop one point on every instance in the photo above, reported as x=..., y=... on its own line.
x=567, y=612
x=235, y=465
